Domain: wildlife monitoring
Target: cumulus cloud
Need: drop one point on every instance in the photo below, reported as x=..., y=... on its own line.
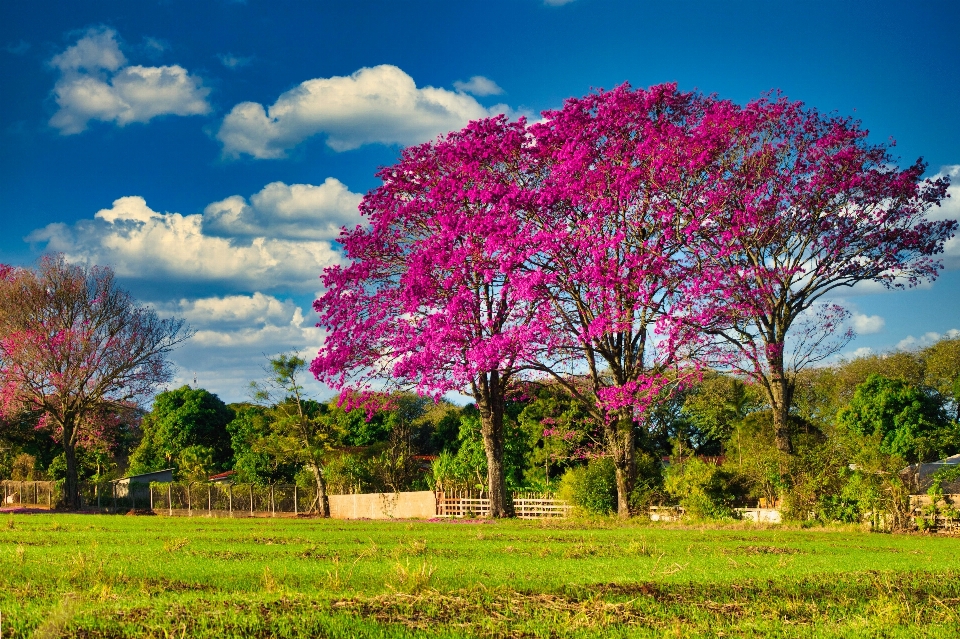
x=863, y=351
x=910, y=342
x=373, y=105
x=295, y=211
x=478, y=85
x=235, y=334
x=949, y=209
x=97, y=84
x=170, y=249
x=867, y=324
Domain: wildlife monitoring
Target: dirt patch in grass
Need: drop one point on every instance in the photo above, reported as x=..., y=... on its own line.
x=761, y=550
x=485, y=613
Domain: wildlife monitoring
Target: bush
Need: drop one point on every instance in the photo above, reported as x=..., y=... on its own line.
x=591, y=488
x=702, y=489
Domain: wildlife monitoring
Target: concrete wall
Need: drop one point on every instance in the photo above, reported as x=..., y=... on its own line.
x=419, y=505
x=761, y=515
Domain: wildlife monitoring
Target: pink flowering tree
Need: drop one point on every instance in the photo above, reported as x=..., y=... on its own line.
x=436, y=297
x=80, y=351
x=632, y=177
x=815, y=208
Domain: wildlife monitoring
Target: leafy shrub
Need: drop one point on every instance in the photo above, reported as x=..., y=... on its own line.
x=591, y=488
x=702, y=489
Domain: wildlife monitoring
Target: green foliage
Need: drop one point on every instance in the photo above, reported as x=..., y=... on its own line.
x=591, y=487
x=181, y=419
x=92, y=465
x=910, y=423
x=467, y=467
x=715, y=407
x=354, y=426
x=349, y=472
x=196, y=463
x=555, y=426
x=943, y=476
x=702, y=489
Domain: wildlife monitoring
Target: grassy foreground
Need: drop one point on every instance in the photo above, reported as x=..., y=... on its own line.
x=121, y=576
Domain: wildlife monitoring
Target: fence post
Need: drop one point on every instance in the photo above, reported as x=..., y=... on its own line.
x=170, y=498
x=20, y=494
x=151, y=495
x=49, y=496
x=273, y=506
x=189, y=502
x=251, y=500
x=113, y=485
x=230, y=498
x=295, y=505
x=209, y=499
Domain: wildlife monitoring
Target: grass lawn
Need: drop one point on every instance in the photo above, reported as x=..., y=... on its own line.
x=123, y=576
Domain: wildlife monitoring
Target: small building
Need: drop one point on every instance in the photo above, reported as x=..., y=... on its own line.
x=920, y=476
x=140, y=484
x=222, y=478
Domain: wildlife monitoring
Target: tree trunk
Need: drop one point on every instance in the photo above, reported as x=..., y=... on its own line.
x=71, y=484
x=490, y=403
x=780, y=393
x=780, y=403
x=622, y=449
x=323, y=502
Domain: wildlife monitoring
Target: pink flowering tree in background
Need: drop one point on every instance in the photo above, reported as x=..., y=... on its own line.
x=815, y=208
x=632, y=176
x=436, y=297
x=80, y=351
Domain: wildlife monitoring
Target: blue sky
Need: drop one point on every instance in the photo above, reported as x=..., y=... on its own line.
x=209, y=150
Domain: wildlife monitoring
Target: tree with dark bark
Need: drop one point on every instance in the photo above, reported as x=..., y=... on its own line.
x=79, y=350
x=631, y=177
x=815, y=208
x=435, y=299
x=300, y=429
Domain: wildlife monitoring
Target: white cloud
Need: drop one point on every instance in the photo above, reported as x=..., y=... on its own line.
x=235, y=335
x=478, y=85
x=910, y=342
x=173, y=250
x=863, y=351
x=96, y=84
x=295, y=211
x=867, y=324
x=373, y=105
x=556, y=3
x=234, y=61
x=949, y=209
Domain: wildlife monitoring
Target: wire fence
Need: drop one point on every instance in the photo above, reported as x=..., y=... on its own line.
x=29, y=493
x=247, y=500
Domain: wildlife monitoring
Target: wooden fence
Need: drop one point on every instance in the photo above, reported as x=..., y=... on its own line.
x=470, y=504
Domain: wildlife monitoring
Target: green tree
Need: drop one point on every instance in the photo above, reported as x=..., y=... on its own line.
x=716, y=407
x=183, y=419
x=251, y=424
x=909, y=422
x=301, y=429
x=704, y=490
x=942, y=370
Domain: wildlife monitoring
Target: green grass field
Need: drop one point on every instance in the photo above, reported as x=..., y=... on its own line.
x=122, y=576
